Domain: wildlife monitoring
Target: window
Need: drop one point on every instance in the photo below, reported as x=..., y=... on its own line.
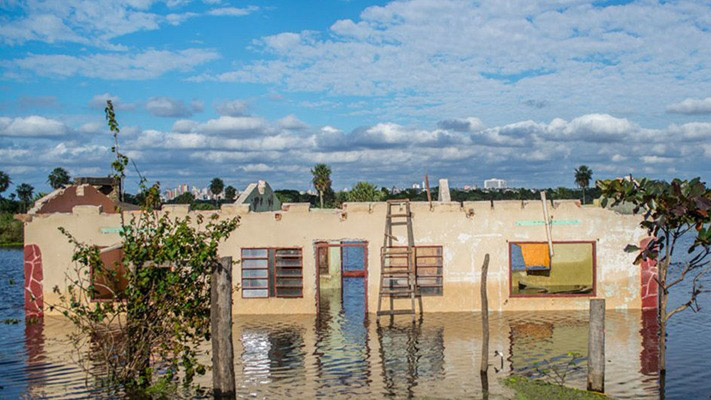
x=109, y=282
x=428, y=263
x=272, y=272
x=428, y=268
x=570, y=272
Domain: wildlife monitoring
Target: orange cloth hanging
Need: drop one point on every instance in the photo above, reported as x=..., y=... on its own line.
x=536, y=255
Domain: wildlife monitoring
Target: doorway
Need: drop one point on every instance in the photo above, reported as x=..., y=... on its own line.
x=342, y=283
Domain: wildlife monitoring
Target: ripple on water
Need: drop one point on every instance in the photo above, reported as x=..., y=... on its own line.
x=340, y=356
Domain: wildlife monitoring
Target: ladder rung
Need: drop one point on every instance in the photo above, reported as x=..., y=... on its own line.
x=396, y=312
x=399, y=215
x=399, y=223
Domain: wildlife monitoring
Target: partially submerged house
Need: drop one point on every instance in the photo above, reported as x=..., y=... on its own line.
x=288, y=257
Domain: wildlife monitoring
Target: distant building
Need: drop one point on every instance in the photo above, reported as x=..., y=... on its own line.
x=495, y=183
x=260, y=197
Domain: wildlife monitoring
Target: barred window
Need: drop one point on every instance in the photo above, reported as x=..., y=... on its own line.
x=428, y=264
x=272, y=272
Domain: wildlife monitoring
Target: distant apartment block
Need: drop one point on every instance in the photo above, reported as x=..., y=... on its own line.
x=495, y=183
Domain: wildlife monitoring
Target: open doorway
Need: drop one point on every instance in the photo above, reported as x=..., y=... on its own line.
x=342, y=279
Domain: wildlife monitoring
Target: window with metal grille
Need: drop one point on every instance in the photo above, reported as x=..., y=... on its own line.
x=429, y=266
x=272, y=272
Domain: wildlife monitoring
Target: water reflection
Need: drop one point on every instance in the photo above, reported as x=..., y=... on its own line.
x=340, y=354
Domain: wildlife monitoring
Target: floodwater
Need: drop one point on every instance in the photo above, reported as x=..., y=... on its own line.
x=339, y=355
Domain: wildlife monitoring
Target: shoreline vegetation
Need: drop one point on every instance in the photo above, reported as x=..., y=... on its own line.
x=11, y=231
x=536, y=389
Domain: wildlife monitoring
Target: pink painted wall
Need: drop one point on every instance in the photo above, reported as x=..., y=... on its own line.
x=34, y=300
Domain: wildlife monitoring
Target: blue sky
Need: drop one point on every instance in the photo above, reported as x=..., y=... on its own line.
x=382, y=91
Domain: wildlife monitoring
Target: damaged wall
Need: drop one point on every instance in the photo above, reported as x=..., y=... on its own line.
x=467, y=231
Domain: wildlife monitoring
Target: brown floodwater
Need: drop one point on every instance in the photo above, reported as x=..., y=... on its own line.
x=341, y=354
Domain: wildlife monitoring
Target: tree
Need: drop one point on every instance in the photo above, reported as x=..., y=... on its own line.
x=58, y=178
x=4, y=182
x=583, y=174
x=151, y=339
x=364, y=191
x=230, y=193
x=216, y=186
x=185, y=198
x=670, y=211
x=24, y=193
x=321, y=179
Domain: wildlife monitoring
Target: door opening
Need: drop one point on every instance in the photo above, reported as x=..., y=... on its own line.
x=342, y=279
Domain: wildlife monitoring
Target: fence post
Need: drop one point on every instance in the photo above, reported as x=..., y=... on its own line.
x=484, y=317
x=223, y=369
x=596, y=346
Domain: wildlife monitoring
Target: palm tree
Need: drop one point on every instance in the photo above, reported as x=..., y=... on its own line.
x=216, y=186
x=24, y=193
x=4, y=182
x=322, y=179
x=58, y=178
x=583, y=174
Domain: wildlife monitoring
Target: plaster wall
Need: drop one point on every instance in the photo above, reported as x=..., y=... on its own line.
x=466, y=231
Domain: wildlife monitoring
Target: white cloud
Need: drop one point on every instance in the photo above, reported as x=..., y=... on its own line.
x=139, y=66
x=32, y=126
x=292, y=123
x=232, y=11
x=171, y=108
x=99, y=102
x=233, y=108
x=691, y=106
x=94, y=22
x=449, y=57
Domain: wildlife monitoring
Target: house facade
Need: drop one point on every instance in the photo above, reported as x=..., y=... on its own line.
x=285, y=260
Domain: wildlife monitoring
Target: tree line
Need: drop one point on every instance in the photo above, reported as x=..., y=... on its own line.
x=366, y=191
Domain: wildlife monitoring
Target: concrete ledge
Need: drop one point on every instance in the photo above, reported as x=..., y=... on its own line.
x=87, y=210
x=296, y=207
x=176, y=208
x=358, y=207
x=230, y=209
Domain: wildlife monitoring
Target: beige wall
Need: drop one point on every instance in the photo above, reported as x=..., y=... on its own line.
x=466, y=231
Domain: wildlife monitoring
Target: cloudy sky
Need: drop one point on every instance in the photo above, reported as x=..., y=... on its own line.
x=383, y=91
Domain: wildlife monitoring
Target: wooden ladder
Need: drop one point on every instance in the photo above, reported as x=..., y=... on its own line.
x=397, y=263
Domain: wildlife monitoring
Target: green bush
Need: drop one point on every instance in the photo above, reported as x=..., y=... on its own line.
x=11, y=232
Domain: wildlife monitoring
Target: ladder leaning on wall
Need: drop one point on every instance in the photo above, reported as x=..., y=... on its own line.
x=398, y=277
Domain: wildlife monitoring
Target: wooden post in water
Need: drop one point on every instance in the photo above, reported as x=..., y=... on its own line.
x=484, y=317
x=596, y=346
x=223, y=368
x=483, y=370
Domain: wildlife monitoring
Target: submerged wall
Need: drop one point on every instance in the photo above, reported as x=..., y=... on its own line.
x=466, y=231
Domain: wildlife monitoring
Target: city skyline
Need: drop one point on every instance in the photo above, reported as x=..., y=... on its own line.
x=382, y=91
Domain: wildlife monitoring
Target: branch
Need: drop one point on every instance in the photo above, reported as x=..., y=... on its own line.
x=692, y=301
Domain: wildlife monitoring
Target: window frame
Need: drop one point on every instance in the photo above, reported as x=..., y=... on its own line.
x=549, y=295
x=441, y=276
x=272, y=277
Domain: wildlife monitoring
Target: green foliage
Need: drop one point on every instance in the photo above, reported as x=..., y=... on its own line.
x=202, y=206
x=4, y=182
x=216, y=186
x=583, y=174
x=230, y=193
x=294, y=196
x=321, y=180
x=557, y=372
x=24, y=193
x=11, y=230
x=670, y=210
x=185, y=198
x=364, y=191
x=149, y=339
x=534, y=389
x=58, y=178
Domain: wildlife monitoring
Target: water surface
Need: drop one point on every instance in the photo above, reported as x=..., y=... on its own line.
x=338, y=355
